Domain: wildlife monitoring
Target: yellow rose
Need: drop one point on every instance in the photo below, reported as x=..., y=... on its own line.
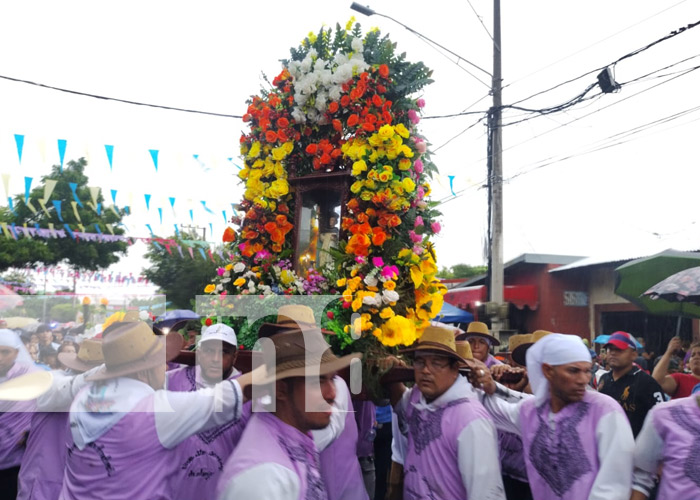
x=209, y=288
x=228, y=267
x=401, y=130
x=341, y=282
x=404, y=164
x=386, y=131
x=254, y=150
x=239, y=282
x=356, y=186
x=288, y=147
x=408, y=184
x=358, y=167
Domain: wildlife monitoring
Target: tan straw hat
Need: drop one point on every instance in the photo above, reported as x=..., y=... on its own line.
x=88, y=356
x=300, y=349
x=517, y=352
x=131, y=346
x=479, y=329
x=440, y=341
x=26, y=387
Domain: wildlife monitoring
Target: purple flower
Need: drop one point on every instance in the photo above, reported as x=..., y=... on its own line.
x=377, y=261
x=413, y=116
x=419, y=221
x=436, y=227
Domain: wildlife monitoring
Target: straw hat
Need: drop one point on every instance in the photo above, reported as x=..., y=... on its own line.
x=299, y=352
x=480, y=330
x=130, y=347
x=517, y=353
x=298, y=315
x=89, y=356
x=464, y=349
x=439, y=341
x=26, y=387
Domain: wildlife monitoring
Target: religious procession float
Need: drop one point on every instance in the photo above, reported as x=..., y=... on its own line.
x=336, y=199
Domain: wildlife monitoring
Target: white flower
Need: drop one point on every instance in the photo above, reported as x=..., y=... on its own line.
x=370, y=301
x=371, y=280
x=239, y=268
x=357, y=45
x=389, y=296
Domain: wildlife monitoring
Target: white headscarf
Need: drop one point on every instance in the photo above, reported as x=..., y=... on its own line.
x=554, y=349
x=9, y=338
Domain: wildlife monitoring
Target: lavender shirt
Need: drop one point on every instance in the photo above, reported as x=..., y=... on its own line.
x=200, y=459
x=670, y=437
x=15, y=422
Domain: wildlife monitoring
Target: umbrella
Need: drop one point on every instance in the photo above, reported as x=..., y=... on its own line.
x=171, y=318
x=602, y=339
x=452, y=314
x=684, y=286
x=638, y=276
x=9, y=299
x=19, y=322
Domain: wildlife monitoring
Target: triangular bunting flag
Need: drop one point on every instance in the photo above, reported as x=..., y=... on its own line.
x=148, y=201
x=154, y=157
x=62, y=151
x=19, y=141
x=110, y=154
x=27, y=187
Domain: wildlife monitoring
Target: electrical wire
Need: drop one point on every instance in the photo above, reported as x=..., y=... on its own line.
x=482, y=22
x=125, y=101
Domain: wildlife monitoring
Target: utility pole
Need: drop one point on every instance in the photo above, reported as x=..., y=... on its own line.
x=495, y=178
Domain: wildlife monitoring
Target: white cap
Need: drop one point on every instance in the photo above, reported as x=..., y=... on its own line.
x=219, y=331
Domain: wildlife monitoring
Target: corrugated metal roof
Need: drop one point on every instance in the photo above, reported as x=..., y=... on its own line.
x=526, y=258
x=607, y=259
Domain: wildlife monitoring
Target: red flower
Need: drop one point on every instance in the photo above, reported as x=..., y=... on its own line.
x=208, y=321
x=229, y=235
x=283, y=122
x=353, y=120
x=270, y=136
x=344, y=101
x=311, y=149
x=330, y=315
x=337, y=125
x=376, y=100
x=333, y=107
x=384, y=71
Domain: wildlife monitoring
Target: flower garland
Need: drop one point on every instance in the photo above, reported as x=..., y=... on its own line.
x=343, y=102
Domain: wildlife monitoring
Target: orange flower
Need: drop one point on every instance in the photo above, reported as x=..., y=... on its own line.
x=384, y=71
x=353, y=204
x=282, y=135
x=311, y=149
x=369, y=127
x=362, y=218
x=378, y=236
x=337, y=125
x=333, y=107
x=358, y=245
x=325, y=158
x=353, y=120
x=344, y=101
x=377, y=101
x=276, y=248
x=277, y=236
x=270, y=227
x=270, y=136
x=249, y=234
x=229, y=235
x=284, y=123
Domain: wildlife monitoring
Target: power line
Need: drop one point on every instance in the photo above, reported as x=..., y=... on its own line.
x=125, y=101
x=459, y=134
x=481, y=21
x=593, y=45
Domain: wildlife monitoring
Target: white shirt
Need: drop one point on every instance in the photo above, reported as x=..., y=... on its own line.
x=481, y=476
x=613, y=436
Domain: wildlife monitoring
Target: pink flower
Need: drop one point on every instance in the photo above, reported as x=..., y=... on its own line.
x=360, y=259
x=415, y=238
x=421, y=147
x=436, y=227
x=413, y=116
x=223, y=294
x=419, y=221
x=418, y=250
x=220, y=271
x=420, y=193
x=420, y=102
x=377, y=261
x=418, y=166
x=390, y=272
x=262, y=255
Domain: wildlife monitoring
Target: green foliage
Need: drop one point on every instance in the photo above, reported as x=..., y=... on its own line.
x=181, y=280
x=63, y=313
x=461, y=271
x=84, y=255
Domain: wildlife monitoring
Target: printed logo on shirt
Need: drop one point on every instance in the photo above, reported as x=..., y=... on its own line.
x=691, y=466
x=99, y=450
x=203, y=466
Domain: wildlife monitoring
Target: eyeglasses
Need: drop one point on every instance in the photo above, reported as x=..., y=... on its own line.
x=433, y=364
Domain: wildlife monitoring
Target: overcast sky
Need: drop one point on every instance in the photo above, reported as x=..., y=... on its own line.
x=615, y=175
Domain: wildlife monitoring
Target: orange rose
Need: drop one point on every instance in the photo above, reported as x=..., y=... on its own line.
x=384, y=71
x=283, y=122
x=270, y=136
x=311, y=149
x=229, y=235
x=353, y=120
x=333, y=107
x=378, y=237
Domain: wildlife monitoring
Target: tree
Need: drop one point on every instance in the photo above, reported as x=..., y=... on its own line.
x=82, y=255
x=180, y=279
x=461, y=271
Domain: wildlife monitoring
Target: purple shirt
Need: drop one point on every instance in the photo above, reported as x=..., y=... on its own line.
x=15, y=422
x=340, y=456
x=561, y=449
x=200, y=459
x=676, y=446
x=269, y=441
x=41, y=474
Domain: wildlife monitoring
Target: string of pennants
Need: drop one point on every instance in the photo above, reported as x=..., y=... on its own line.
x=87, y=276
x=204, y=248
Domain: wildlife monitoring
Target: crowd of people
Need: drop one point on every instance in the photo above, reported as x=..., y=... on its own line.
x=121, y=420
